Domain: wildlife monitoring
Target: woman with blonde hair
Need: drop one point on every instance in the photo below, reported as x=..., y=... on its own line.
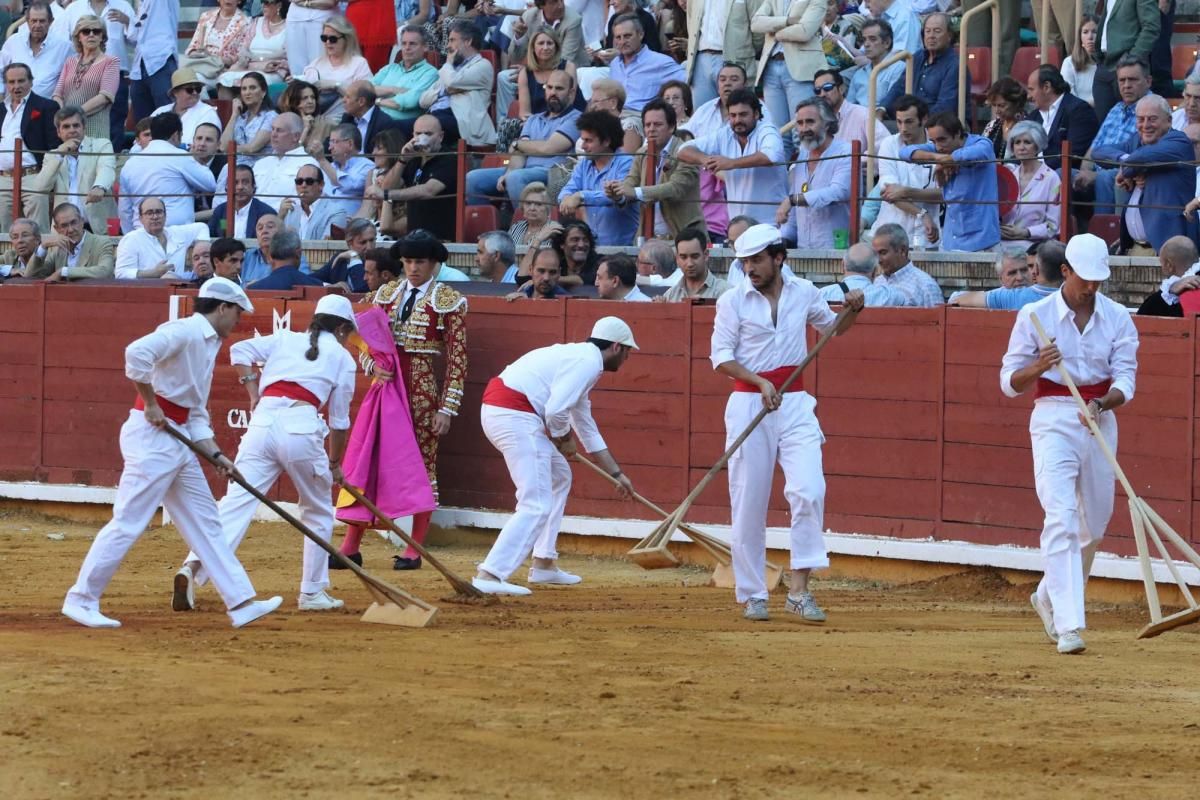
x=90, y=78
x=339, y=65
x=543, y=56
x=303, y=31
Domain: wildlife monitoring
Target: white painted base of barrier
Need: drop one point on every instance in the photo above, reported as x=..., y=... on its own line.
x=853, y=544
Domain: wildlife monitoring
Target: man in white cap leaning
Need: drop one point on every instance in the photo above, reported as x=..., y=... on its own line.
x=758, y=339
x=172, y=371
x=1095, y=339
x=528, y=413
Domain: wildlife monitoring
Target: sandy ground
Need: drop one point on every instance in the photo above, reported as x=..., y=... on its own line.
x=634, y=684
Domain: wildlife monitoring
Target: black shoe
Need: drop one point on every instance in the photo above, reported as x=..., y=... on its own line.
x=336, y=563
x=400, y=562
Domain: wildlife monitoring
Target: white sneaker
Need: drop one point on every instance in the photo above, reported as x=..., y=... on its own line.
x=555, y=576
x=499, y=587
x=318, y=601
x=183, y=595
x=1046, y=613
x=90, y=617
x=253, y=610
x=1071, y=643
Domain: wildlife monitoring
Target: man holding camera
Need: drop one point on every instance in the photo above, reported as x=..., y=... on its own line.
x=430, y=178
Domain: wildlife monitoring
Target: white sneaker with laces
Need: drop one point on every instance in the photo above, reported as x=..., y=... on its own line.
x=318, y=601
x=1071, y=643
x=756, y=610
x=556, y=576
x=1046, y=613
x=805, y=606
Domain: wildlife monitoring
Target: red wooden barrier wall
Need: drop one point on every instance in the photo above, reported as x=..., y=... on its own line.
x=921, y=443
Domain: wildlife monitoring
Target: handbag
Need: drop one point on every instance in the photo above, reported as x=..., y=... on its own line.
x=205, y=65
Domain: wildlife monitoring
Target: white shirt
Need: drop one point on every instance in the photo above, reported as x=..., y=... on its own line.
x=706, y=119
x=275, y=176
x=241, y=217
x=362, y=124
x=672, y=279
x=556, y=380
x=755, y=192
x=712, y=27
x=1133, y=218
x=74, y=198
x=743, y=331
x=1107, y=348
x=636, y=295
x=139, y=250
x=1048, y=116
x=177, y=360
x=46, y=65
x=893, y=171
x=10, y=131
x=1179, y=120
x=163, y=170
x=191, y=119
x=872, y=295
x=155, y=34
x=119, y=38
x=330, y=377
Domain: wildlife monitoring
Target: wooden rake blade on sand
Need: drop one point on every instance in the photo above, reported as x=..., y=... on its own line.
x=464, y=591
x=652, y=552
x=1147, y=525
x=722, y=576
x=392, y=606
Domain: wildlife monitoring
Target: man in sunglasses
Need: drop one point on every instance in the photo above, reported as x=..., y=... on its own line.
x=853, y=119
x=185, y=94
x=308, y=214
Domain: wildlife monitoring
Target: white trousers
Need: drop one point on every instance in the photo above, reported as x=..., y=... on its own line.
x=303, y=40
x=1075, y=484
x=543, y=480
x=792, y=437
x=160, y=471
x=283, y=437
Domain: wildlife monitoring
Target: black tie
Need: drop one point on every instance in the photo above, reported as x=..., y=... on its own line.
x=406, y=310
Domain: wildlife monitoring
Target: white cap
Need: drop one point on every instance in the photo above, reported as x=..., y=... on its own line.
x=338, y=306
x=756, y=239
x=613, y=329
x=1087, y=255
x=224, y=289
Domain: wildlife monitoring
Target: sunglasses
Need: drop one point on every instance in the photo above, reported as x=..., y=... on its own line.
x=825, y=87
x=270, y=2
x=92, y=31
x=330, y=39
x=191, y=89
x=306, y=181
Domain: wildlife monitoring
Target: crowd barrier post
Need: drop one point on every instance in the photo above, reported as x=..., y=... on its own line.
x=460, y=215
x=964, y=84
x=18, y=209
x=1064, y=193
x=872, y=96
x=230, y=173
x=855, y=190
x=648, y=173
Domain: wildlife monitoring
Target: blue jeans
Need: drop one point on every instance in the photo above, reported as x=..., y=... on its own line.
x=781, y=93
x=481, y=183
x=704, y=78
x=151, y=91
x=117, y=113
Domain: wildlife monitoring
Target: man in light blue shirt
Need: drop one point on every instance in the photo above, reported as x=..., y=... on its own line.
x=346, y=172
x=907, y=284
x=256, y=265
x=398, y=87
x=496, y=257
x=906, y=26
x=600, y=138
x=155, y=33
x=857, y=265
x=877, y=45
x=970, y=226
x=638, y=68
x=1051, y=255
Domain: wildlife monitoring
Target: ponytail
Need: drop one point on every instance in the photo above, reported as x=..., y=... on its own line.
x=327, y=323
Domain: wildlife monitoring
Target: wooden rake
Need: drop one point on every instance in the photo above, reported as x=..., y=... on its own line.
x=465, y=592
x=652, y=552
x=722, y=576
x=1147, y=525
x=392, y=606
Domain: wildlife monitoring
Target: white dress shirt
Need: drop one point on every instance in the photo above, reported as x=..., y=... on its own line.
x=275, y=176
x=163, y=170
x=1106, y=349
x=139, y=250
x=872, y=295
x=1048, y=116
x=706, y=119
x=241, y=217
x=636, y=295
x=893, y=171
x=177, y=360
x=119, y=38
x=556, y=380
x=330, y=377
x=743, y=330
x=669, y=281
x=155, y=33
x=10, y=131
x=46, y=65
x=191, y=119
x=755, y=192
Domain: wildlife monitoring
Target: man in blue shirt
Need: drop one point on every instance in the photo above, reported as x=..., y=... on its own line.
x=638, y=68
x=1119, y=130
x=877, y=45
x=256, y=265
x=285, y=265
x=965, y=161
x=935, y=69
x=1051, y=255
x=600, y=137
x=347, y=267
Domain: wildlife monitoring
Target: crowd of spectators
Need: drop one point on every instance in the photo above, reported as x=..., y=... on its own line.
x=618, y=121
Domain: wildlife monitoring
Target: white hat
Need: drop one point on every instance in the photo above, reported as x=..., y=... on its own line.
x=224, y=289
x=338, y=306
x=1087, y=256
x=756, y=239
x=613, y=329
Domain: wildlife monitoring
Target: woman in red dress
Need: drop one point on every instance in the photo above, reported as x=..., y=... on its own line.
x=375, y=23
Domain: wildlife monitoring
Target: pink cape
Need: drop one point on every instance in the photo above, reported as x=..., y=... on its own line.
x=382, y=458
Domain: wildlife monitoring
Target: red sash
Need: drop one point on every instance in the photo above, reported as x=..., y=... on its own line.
x=176, y=413
x=291, y=390
x=499, y=395
x=777, y=377
x=1048, y=388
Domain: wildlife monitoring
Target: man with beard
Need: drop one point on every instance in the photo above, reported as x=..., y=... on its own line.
x=543, y=284
x=463, y=90
x=430, y=177
x=546, y=139
x=818, y=202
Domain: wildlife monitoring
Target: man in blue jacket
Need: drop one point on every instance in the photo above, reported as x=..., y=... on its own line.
x=285, y=265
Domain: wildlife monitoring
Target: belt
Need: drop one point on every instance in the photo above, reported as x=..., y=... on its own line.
x=777, y=57
x=293, y=391
x=713, y=52
x=174, y=412
x=498, y=395
x=8, y=173
x=777, y=377
x=1048, y=388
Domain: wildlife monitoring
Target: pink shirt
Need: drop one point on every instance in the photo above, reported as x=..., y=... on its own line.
x=1037, y=206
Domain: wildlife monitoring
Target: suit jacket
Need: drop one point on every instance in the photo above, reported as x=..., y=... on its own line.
x=97, y=167
x=570, y=32
x=1075, y=122
x=380, y=121
x=96, y=258
x=1132, y=28
x=677, y=190
x=1170, y=185
x=216, y=224
x=740, y=44
x=325, y=212
x=1155, y=306
x=37, y=125
x=797, y=18
x=469, y=105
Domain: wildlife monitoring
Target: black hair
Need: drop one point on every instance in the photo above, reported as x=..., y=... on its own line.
x=692, y=234
x=321, y=323
x=947, y=121
x=224, y=247
x=603, y=344
x=207, y=305
x=659, y=105
x=621, y=267
x=383, y=261
x=165, y=125
x=744, y=97
x=606, y=127
x=907, y=101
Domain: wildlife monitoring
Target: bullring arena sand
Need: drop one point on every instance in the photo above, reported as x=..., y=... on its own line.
x=633, y=685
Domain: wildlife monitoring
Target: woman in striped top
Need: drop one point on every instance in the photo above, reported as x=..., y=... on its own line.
x=90, y=78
